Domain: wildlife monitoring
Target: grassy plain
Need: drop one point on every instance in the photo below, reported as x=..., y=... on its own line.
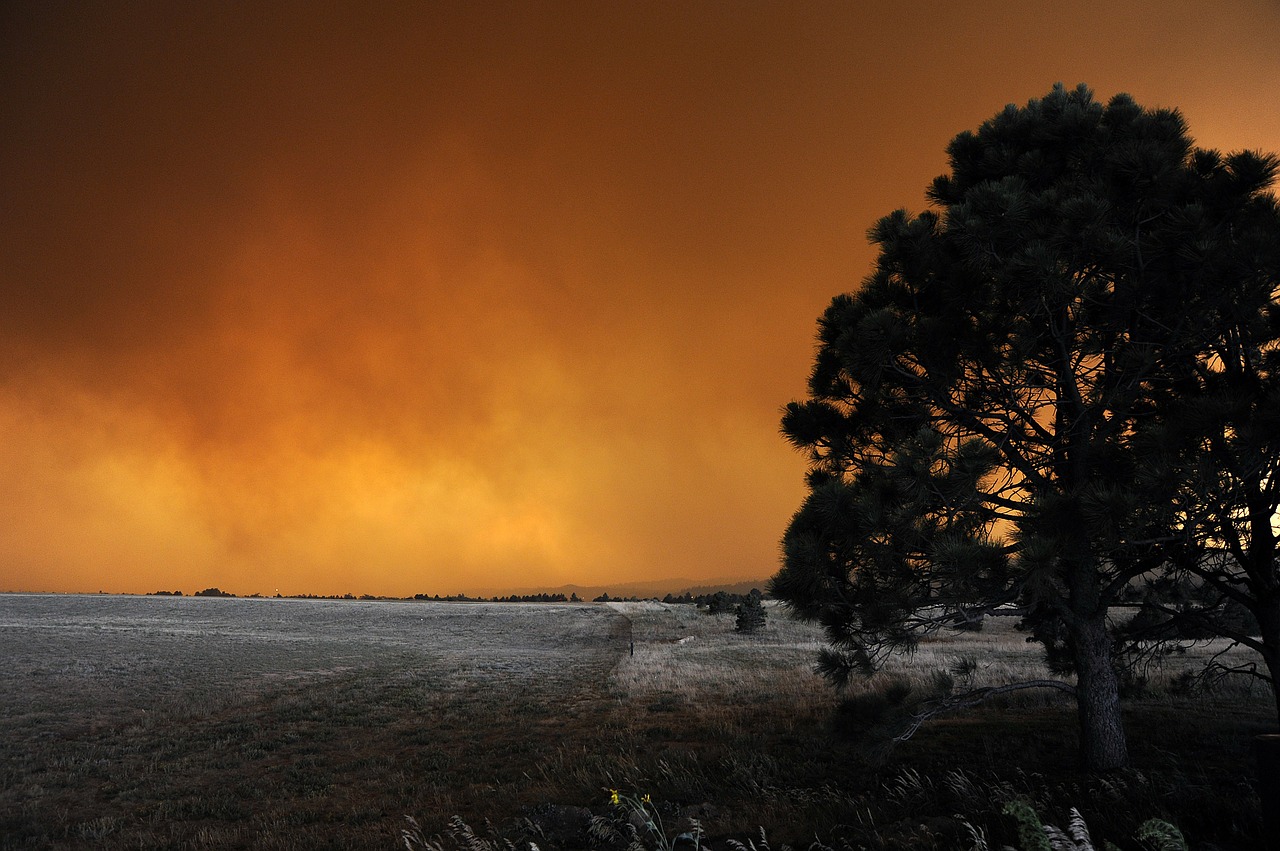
x=209, y=723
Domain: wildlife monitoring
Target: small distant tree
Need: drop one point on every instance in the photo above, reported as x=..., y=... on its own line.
x=751, y=614
x=719, y=603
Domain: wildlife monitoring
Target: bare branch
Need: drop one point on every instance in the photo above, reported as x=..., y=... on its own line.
x=953, y=703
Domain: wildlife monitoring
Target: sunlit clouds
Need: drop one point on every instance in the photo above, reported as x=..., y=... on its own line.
x=447, y=298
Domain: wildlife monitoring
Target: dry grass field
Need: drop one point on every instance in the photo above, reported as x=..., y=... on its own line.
x=157, y=722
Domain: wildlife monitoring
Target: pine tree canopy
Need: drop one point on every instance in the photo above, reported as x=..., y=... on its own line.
x=978, y=425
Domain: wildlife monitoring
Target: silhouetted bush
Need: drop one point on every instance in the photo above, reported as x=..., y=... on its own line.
x=720, y=602
x=214, y=592
x=751, y=614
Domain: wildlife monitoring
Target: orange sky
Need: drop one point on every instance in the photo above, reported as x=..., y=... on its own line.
x=463, y=297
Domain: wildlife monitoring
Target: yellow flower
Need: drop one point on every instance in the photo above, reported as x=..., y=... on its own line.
x=613, y=796
x=645, y=799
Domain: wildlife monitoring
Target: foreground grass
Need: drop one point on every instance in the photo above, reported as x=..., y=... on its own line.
x=787, y=757
x=322, y=726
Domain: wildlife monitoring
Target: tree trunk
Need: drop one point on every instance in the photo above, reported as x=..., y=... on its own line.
x=1266, y=749
x=1102, y=740
x=1273, y=669
x=1268, y=615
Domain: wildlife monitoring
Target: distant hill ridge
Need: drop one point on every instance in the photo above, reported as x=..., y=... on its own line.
x=647, y=588
x=655, y=588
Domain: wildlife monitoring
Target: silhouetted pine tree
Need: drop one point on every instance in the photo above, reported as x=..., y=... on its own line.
x=975, y=420
x=751, y=614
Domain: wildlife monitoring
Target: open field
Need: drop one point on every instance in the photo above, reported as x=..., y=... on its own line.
x=159, y=722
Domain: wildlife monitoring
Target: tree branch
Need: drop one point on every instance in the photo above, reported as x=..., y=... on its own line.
x=952, y=703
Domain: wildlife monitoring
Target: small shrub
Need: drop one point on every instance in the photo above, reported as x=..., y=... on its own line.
x=1034, y=835
x=751, y=614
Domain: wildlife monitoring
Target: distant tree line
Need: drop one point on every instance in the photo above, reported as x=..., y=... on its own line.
x=718, y=602
x=511, y=598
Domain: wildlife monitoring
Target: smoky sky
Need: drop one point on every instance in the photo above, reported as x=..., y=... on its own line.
x=429, y=297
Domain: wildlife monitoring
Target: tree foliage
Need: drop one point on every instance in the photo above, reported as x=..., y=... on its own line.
x=977, y=421
x=1216, y=433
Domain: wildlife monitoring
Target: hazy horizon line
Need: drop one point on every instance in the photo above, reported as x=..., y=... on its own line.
x=646, y=587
